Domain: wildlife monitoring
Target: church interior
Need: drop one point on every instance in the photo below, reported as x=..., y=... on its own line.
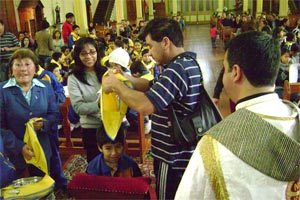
x=109, y=22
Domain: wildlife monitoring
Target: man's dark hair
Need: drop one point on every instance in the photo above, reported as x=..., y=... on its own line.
x=69, y=15
x=159, y=28
x=102, y=137
x=1, y=22
x=258, y=55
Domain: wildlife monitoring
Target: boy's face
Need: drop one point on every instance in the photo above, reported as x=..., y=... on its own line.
x=66, y=52
x=112, y=152
x=146, y=58
x=115, y=67
x=285, y=58
x=137, y=46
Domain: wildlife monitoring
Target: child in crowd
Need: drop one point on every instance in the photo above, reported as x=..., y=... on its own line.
x=112, y=161
x=290, y=40
x=213, y=35
x=283, y=73
x=137, y=49
x=54, y=68
x=295, y=49
x=110, y=46
x=119, y=60
x=128, y=45
x=66, y=57
x=57, y=59
x=139, y=71
x=74, y=36
x=92, y=33
x=149, y=63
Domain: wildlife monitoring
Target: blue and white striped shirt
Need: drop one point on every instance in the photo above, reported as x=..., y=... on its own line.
x=181, y=85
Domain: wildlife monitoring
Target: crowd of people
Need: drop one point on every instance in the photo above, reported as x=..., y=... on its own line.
x=280, y=29
x=151, y=56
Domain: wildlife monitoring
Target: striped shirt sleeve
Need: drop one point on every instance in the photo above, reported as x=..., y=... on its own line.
x=173, y=84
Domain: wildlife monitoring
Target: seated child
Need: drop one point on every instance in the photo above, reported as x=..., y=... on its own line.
x=54, y=68
x=112, y=161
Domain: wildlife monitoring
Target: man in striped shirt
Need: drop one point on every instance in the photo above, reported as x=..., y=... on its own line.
x=180, y=84
x=8, y=44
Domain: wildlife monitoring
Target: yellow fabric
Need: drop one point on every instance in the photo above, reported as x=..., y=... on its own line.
x=104, y=60
x=148, y=76
x=113, y=109
x=30, y=191
x=209, y=151
x=30, y=138
x=55, y=62
x=45, y=77
x=75, y=36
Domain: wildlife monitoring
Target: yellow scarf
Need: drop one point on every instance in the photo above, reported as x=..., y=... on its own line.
x=113, y=109
x=30, y=138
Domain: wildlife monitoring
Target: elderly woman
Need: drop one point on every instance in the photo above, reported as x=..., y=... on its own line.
x=84, y=84
x=23, y=97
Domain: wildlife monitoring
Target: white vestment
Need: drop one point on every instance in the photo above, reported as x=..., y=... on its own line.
x=242, y=180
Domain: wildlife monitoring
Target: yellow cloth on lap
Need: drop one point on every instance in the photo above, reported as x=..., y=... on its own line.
x=30, y=138
x=29, y=191
x=113, y=109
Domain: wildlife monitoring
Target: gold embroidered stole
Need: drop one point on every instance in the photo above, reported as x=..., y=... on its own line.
x=256, y=142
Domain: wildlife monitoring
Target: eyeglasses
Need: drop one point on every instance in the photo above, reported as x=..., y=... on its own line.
x=85, y=54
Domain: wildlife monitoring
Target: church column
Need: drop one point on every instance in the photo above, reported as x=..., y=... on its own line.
x=119, y=14
x=220, y=6
x=245, y=6
x=139, y=11
x=259, y=7
x=150, y=5
x=174, y=7
x=283, y=8
x=81, y=16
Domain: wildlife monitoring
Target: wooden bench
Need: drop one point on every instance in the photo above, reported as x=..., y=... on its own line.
x=289, y=89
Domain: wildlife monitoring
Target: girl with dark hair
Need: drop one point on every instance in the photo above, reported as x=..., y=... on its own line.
x=25, y=43
x=57, y=41
x=84, y=84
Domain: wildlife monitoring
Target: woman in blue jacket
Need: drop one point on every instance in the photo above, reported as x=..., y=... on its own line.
x=23, y=97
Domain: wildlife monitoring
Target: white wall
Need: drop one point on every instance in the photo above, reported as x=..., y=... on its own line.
x=49, y=10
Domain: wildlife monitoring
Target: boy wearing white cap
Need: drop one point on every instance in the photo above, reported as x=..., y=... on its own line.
x=119, y=60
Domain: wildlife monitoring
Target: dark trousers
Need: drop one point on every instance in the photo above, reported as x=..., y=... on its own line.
x=90, y=143
x=213, y=42
x=56, y=171
x=167, y=179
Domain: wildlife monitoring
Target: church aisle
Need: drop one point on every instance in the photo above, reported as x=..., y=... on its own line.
x=197, y=39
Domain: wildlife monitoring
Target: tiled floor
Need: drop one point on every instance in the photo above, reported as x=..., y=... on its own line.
x=210, y=60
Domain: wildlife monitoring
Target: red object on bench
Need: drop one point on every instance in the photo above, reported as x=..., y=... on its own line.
x=85, y=186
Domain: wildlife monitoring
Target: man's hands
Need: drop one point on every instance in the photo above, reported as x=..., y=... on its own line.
x=38, y=123
x=27, y=152
x=109, y=82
